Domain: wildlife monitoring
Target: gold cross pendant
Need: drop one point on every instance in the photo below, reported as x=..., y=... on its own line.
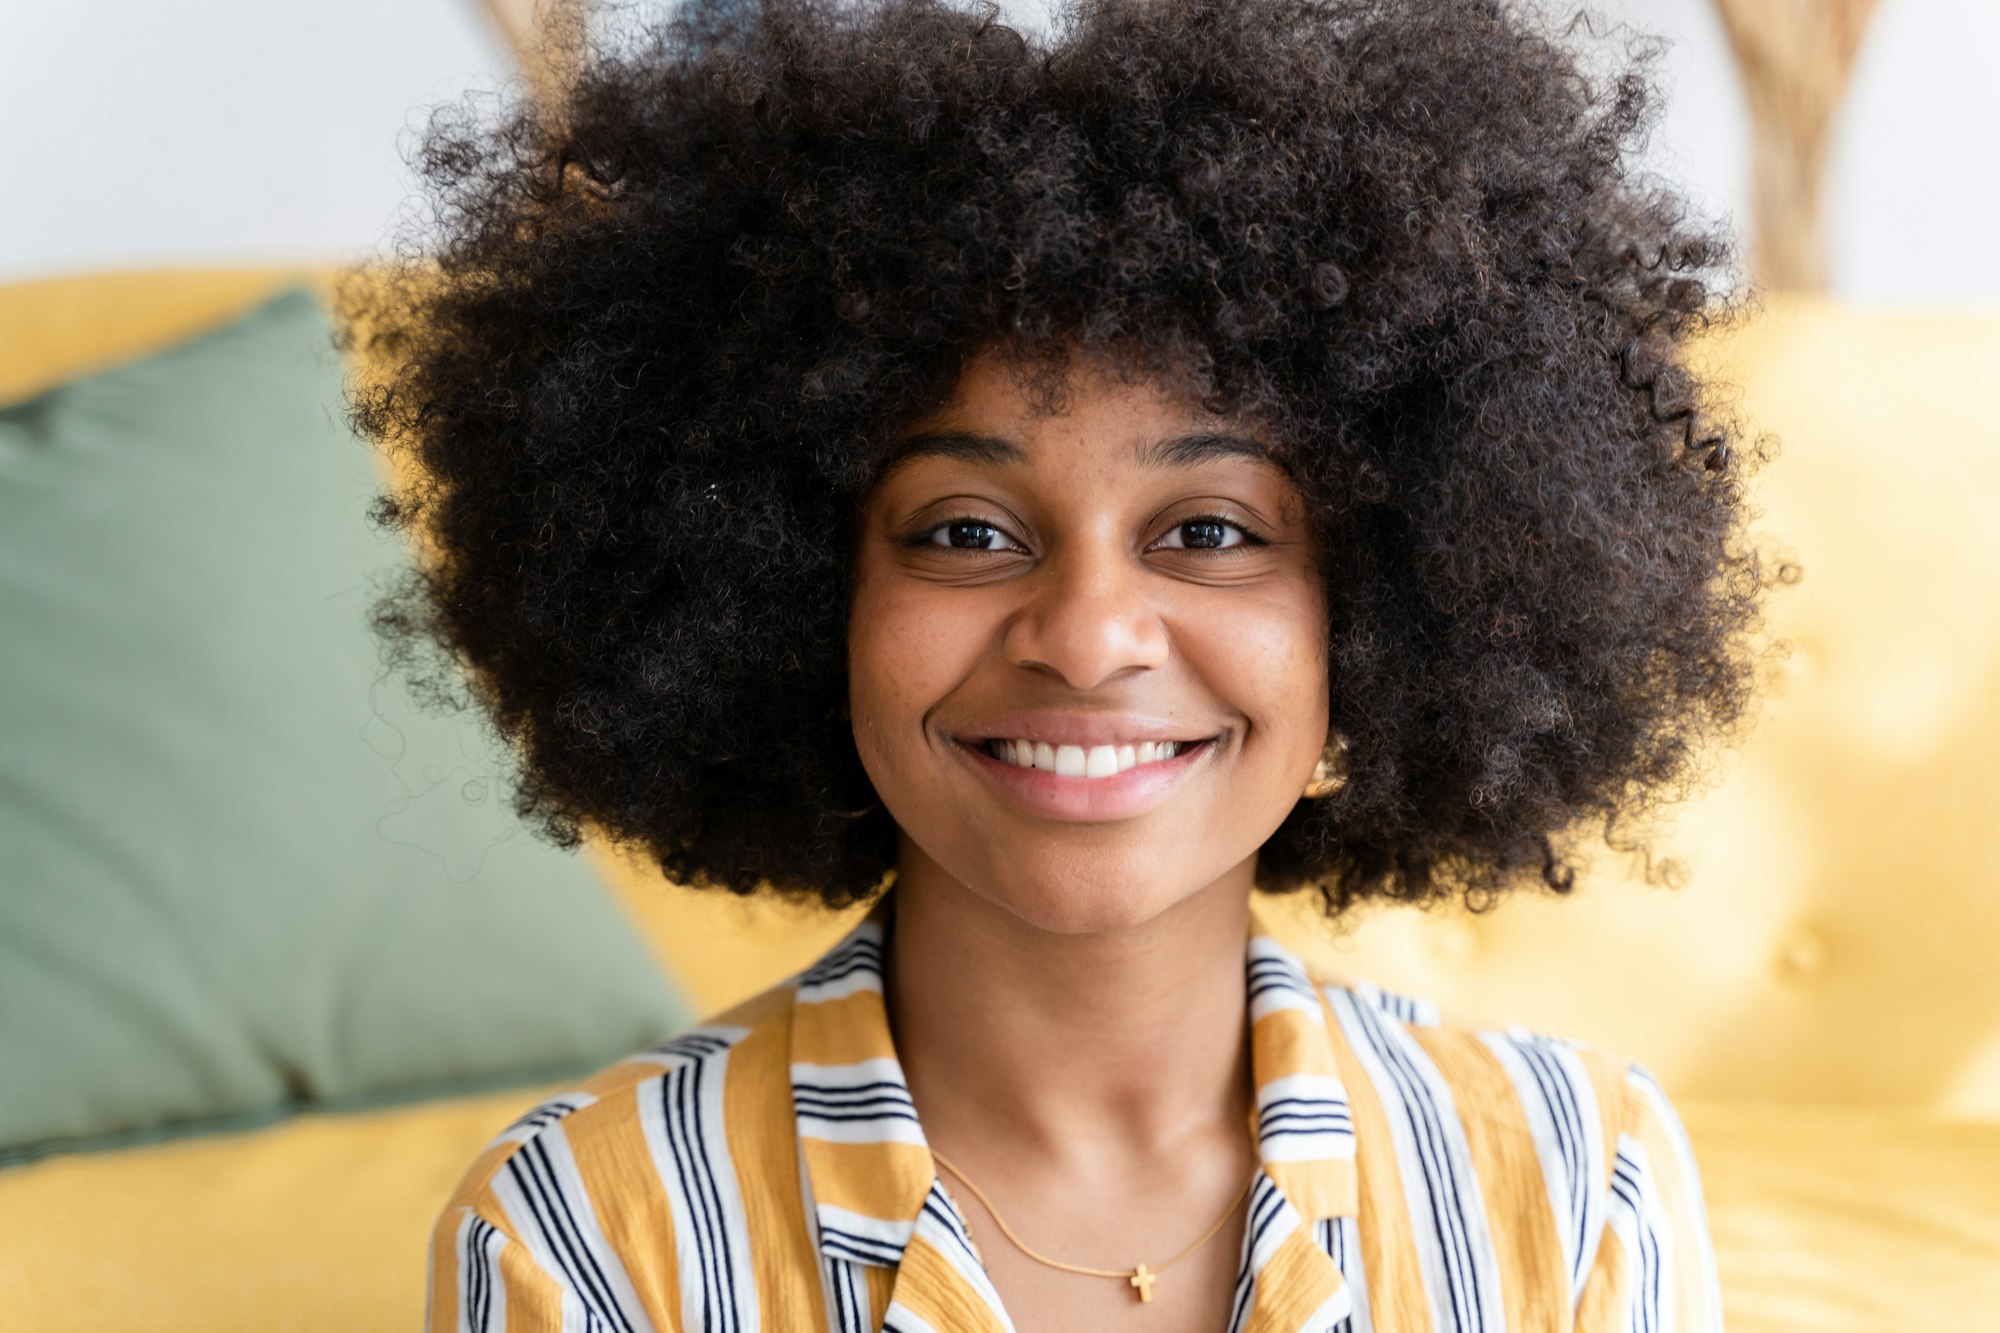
x=1142, y=1281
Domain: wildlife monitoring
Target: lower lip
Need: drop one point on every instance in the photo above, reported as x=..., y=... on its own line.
x=1085, y=800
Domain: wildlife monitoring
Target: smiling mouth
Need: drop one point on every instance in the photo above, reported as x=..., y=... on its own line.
x=1077, y=761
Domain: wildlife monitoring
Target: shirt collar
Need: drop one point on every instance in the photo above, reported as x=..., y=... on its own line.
x=871, y=1173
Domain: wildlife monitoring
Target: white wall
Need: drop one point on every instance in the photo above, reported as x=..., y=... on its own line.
x=1913, y=187
x=162, y=132
x=138, y=132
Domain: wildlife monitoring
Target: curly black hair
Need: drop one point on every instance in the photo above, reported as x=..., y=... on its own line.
x=658, y=333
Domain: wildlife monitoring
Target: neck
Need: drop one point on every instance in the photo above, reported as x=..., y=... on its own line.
x=1035, y=1041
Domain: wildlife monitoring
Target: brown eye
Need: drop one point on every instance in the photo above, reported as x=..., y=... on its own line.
x=1205, y=534
x=966, y=535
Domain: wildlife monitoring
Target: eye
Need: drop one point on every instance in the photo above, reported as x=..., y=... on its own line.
x=964, y=534
x=1207, y=532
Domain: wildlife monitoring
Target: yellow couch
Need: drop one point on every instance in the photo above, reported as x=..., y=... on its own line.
x=1833, y=1036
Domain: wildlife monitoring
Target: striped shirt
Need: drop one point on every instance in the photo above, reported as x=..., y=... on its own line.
x=767, y=1171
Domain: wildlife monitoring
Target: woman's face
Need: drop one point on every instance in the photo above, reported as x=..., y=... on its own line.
x=1087, y=593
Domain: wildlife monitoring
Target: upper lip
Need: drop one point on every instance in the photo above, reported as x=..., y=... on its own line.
x=1083, y=729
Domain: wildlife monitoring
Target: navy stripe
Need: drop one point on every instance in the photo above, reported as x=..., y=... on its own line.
x=833, y=975
x=600, y=1282
x=1269, y=972
x=475, y=1262
x=829, y=1089
x=531, y=1191
x=861, y=955
x=848, y=1252
x=850, y=1317
x=1265, y=1202
x=532, y=1171
x=546, y=1114
x=485, y=1279
x=707, y=1176
x=866, y=1247
x=690, y=1048
x=468, y=1294
x=1437, y=1166
x=705, y=1201
x=945, y=1214
x=1560, y=1098
x=1336, y=1113
x=1276, y=1102
x=857, y=1115
x=1646, y=1295
x=846, y=1102
x=1338, y=1230
x=1652, y=1238
x=670, y=1093
x=853, y=1318
x=1461, y=1273
x=715, y=1303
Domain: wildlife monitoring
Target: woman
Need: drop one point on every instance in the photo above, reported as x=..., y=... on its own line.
x=1054, y=489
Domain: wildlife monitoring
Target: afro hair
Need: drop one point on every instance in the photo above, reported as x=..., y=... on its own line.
x=651, y=343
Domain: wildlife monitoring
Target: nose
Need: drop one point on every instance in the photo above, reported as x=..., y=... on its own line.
x=1088, y=617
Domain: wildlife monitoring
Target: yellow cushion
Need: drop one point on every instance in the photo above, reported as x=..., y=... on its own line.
x=319, y=1223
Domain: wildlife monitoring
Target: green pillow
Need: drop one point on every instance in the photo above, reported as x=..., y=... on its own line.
x=241, y=873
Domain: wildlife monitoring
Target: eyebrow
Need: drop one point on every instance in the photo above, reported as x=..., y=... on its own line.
x=1174, y=452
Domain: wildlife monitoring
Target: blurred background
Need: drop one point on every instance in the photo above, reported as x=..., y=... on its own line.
x=248, y=131
x=275, y=961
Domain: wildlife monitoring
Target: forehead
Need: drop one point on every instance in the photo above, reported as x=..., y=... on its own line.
x=990, y=418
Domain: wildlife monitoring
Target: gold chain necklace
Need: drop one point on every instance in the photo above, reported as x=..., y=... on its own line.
x=1140, y=1278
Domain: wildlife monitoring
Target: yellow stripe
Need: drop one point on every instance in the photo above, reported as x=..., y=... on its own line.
x=771, y=1006
x=534, y=1298
x=630, y=1203
x=757, y=1116
x=447, y=1270
x=881, y=1287
x=842, y=1032
x=1520, y=1216
x=928, y=1287
x=1607, y=1081
x=1395, y=1280
x=1606, y=1300
x=885, y=1180
x=1287, y=1041
x=1296, y=1280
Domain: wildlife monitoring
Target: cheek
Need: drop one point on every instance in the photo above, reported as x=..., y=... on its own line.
x=906, y=651
x=1268, y=656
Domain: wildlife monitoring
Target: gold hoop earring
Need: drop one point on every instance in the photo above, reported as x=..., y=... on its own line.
x=1330, y=774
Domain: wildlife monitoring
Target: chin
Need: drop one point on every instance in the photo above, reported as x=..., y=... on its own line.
x=1087, y=895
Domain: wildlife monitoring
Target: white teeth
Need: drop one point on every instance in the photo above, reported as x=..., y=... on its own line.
x=1074, y=761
